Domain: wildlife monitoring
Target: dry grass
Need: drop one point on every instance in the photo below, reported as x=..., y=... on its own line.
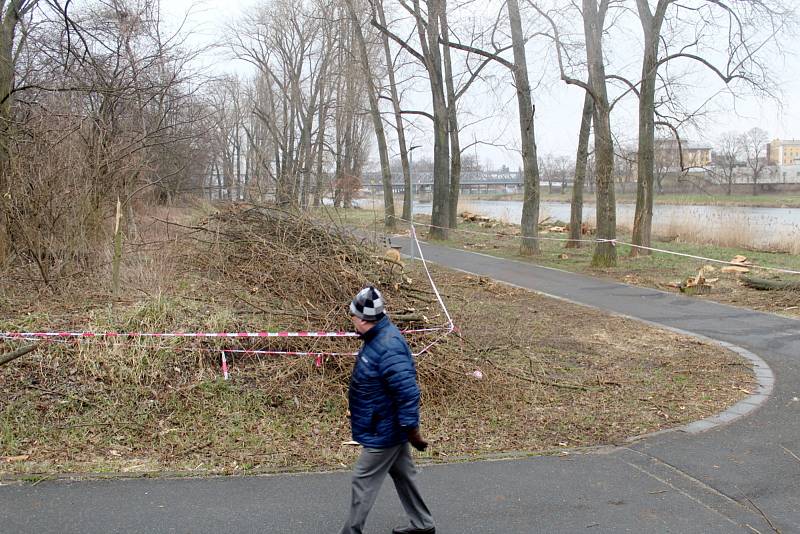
x=554, y=375
x=732, y=230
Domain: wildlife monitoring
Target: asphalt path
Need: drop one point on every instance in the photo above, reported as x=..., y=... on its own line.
x=743, y=476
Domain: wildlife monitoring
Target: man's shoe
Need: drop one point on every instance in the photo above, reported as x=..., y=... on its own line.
x=412, y=530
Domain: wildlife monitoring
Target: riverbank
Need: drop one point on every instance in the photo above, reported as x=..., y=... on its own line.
x=769, y=229
x=658, y=270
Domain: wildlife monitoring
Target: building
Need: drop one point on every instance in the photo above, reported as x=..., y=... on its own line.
x=667, y=155
x=783, y=152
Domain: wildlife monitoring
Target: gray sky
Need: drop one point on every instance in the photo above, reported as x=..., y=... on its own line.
x=558, y=105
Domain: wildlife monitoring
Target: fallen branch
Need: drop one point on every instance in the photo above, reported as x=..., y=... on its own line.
x=790, y=453
x=408, y=318
x=421, y=299
x=22, y=351
x=761, y=512
x=390, y=260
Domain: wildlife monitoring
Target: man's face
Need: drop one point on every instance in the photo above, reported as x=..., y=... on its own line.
x=361, y=325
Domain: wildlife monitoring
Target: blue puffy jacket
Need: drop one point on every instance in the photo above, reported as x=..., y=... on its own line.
x=384, y=395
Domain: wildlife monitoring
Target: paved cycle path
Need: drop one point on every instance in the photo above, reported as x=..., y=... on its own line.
x=739, y=477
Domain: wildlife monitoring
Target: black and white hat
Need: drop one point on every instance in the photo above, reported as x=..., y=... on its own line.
x=368, y=304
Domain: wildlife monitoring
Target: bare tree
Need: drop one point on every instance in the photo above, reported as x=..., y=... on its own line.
x=727, y=160
x=593, y=17
x=428, y=29
x=106, y=113
x=745, y=27
x=531, y=200
x=519, y=69
x=294, y=47
x=754, y=147
x=651, y=23
x=452, y=120
x=594, y=14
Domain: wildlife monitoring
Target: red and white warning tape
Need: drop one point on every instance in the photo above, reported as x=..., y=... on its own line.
x=84, y=335
x=430, y=279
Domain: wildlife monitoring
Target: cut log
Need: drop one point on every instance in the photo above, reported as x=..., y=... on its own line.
x=697, y=285
x=695, y=289
x=769, y=285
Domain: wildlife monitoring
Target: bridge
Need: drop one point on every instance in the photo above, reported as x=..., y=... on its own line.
x=471, y=182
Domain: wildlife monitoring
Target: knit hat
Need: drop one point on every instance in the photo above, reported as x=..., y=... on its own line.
x=367, y=305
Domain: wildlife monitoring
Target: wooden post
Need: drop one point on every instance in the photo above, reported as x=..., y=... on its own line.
x=117, y=250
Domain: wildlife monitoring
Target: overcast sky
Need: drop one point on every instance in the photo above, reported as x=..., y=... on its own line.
x=558, y=106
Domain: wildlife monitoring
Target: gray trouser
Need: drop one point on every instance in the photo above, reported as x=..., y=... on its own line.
x=368, y=475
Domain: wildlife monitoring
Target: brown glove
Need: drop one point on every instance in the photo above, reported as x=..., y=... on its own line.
x=416, y=440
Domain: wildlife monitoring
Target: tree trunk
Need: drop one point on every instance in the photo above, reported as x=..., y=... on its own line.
x=401, y=135
x=530, y=166
x=219, y=182
x=769, y=285
x=8, y=28
x=377, y=121
x=581, y=161
x=441, y=146
x=452, y=122
x=605, y=253
x=249, y=165
x=238, y=147
x=307, y=157
x=320, y=149
x=643, y=216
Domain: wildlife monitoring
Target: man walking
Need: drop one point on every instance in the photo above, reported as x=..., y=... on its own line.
x=384, y=408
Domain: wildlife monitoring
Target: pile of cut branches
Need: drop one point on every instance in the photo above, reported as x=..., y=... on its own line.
x=290, y=262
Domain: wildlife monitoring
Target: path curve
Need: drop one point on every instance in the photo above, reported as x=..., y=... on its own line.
x=738, y=477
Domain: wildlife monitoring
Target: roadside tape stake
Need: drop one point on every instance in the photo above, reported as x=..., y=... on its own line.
x=224, y=366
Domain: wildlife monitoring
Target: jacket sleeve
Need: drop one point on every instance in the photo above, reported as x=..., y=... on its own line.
x=400, y=377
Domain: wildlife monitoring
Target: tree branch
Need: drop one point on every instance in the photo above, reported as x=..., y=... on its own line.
x=22, y=351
